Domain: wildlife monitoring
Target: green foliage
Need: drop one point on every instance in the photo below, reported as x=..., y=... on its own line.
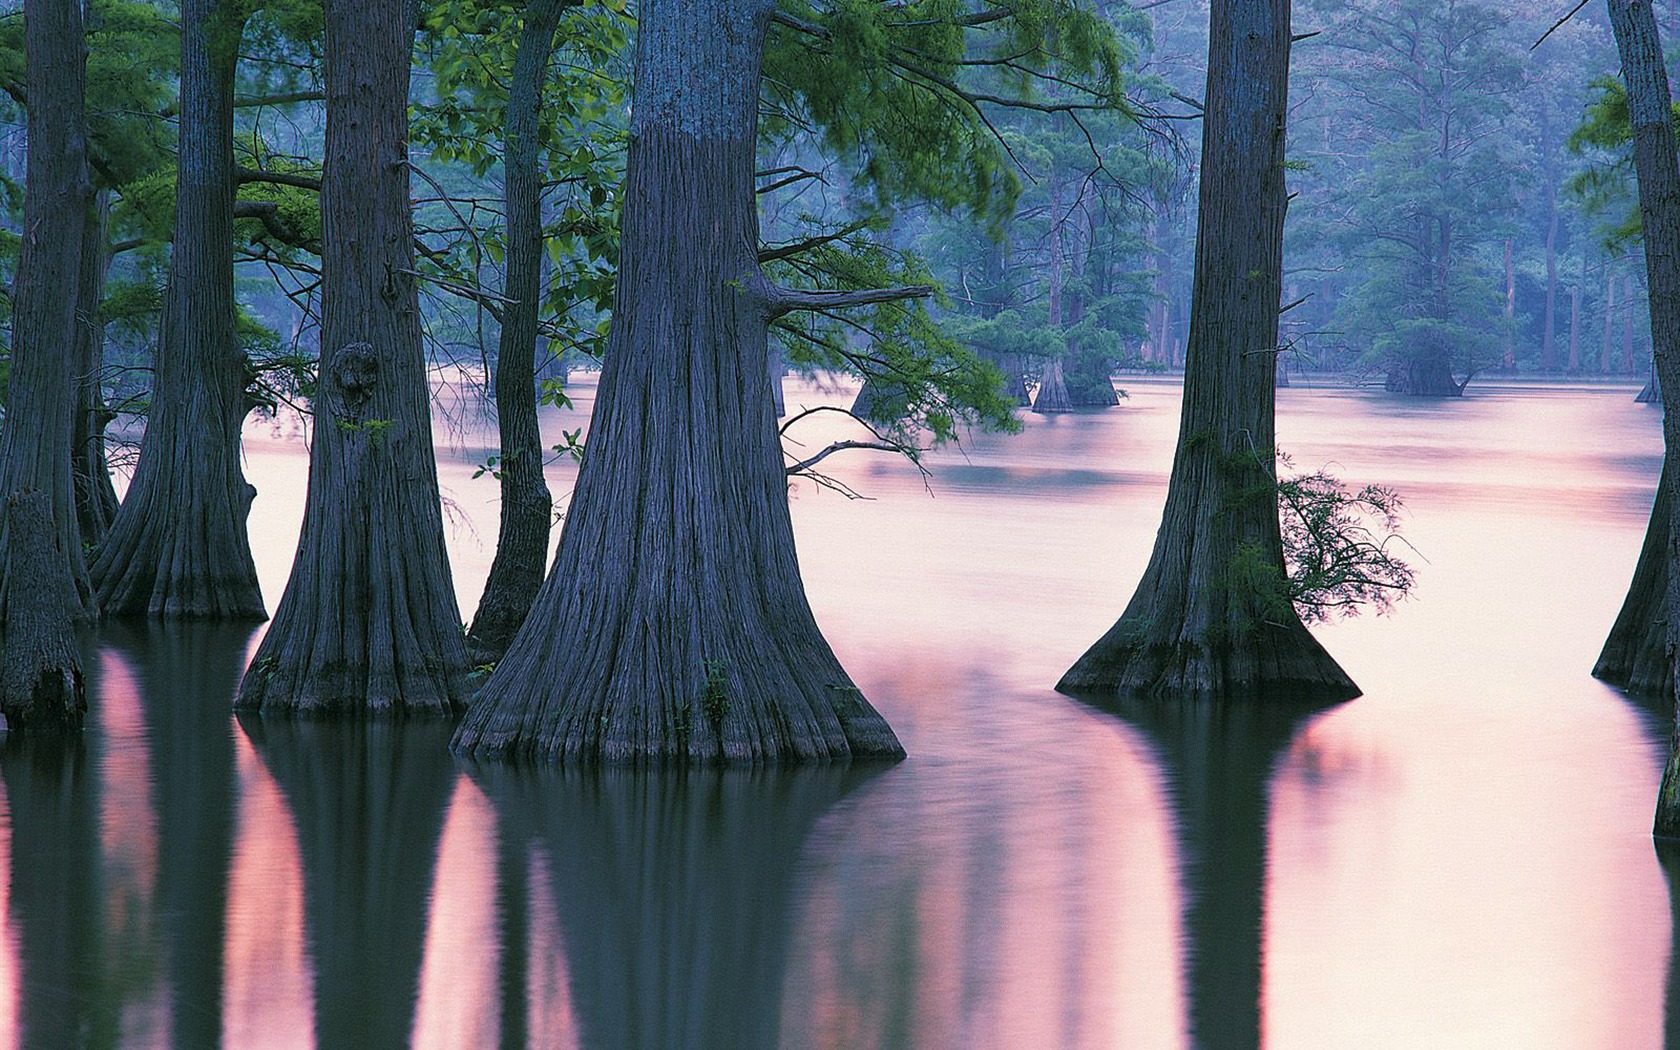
x=1337, y=546
x=1605, y=187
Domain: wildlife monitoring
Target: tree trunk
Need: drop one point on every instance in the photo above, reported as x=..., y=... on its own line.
x=1658, y=173
x=1548, y=337
x=41, y=677
x=1052, y=394
x=522, y=542
x=998, y=299
x=35, y=448
x=179, y=547
x=1575, y=329
x=1609, y=323
x=96, y=497
x=1509, y=357
x=1635, y=656
x=1088, y=382
x=368, y=623
x=1426, y=375
x=1630, y=318
x=1211, y=617
x=673, y=624
x=1651, y=392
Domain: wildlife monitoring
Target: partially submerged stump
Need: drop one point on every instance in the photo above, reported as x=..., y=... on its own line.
x=41, y=680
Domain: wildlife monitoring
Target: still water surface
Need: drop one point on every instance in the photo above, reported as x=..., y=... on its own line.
x=1460, y=858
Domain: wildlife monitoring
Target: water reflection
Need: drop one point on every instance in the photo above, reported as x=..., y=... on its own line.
x=1219, y=761
x=367, y=801
x=673, y=893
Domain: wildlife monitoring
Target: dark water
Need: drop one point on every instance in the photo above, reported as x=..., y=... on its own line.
x=1460, y=858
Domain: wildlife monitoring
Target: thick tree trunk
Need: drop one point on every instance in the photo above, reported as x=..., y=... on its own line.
x=1651, y=392
x=1088, y=382
x=368, y=623
x=179, y=547
x=1659, y=206
x=96, y=497
x=673, y=624
x=522, y=542
x=1635, y=656
x=35, y=447
x=41, y=677
x=1211, y=617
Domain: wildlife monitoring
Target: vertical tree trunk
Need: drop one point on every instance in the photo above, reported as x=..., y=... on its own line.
x=1630, y=318
x=35, y=436
x=179, y=547
x=368, y=623
x=41, y=675
x=1211, y=617
x=1509, y=359
x=522, y=542
x=1575, y=329
x=1052, y=394
x=1609, y=322
x=1658, y=172
x=1548, y=337
x=998, y=299
x=673, y=624
x=96, y=497
x=1635, y=656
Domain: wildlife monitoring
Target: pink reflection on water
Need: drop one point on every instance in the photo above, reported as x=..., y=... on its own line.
x=548, y=983
x=269, y=1000
x=458, y=989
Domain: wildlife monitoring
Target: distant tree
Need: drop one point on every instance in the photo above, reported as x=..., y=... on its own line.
x=368, y=623
x=1651, y=112
x=178, y=547
x=1212, y=615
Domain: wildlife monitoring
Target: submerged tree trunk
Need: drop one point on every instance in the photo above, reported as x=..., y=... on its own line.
x=1427, y=375
x=41, y=676
x=1659, y=207
x=179, y=547
x=1635, y=656
x=522, y=542
x=96, y=497
x=1212, y=617
x=35, y=446
x=368, y=623
x=674, y=624
x=1651, y=392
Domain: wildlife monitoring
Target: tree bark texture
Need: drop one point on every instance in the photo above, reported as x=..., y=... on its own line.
x=41, y=689
x=179, y=546
x=1211, y=618
x=368, y=623
x=96, y=497
x=1052, y=396
x=674, y=625
x=35, y=443
x=516, y=574
x=1658, y=171
x=1635, y=656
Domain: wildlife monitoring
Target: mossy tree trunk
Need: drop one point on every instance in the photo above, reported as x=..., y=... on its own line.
x=1211, y=616
x=516, y=574
x=179, y=546
x=1658, y=173
x=368, y=623
x=673, y=625
x=35, y=448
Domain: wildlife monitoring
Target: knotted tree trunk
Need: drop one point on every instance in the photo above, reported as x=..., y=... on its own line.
x=674, y=625
x=35, y=448
x=368, y=622
x=522, y=542
x=178, y=546
x=1212, y=617
x=1659, y=207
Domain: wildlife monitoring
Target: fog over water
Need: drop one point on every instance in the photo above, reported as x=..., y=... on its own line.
x=1459, y=858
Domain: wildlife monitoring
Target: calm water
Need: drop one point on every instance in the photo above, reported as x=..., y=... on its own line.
x=1460, y=858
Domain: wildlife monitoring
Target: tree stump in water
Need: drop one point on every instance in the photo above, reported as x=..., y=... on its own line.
x=41, y=681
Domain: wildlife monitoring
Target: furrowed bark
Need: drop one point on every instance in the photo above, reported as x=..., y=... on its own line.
x=1635, y=656
x=1658, y=173
x=41, y=691
x=179, y=546
x=522, y=540
x=1211, y=618
x=368, y=623
x=673, y=625
x=35, y=437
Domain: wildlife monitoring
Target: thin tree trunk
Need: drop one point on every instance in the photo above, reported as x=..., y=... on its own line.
x=1548, y=338
x=1510, y=356
x=179, y=546
x=1052, y=394
x=1609, y=323
x=1630, y=318
x=368, y=623
x=35, y=447
x=1575, y=329
x=96, y=497
x=1211, y=617
x=527, y=508
x=674, y=625
x=1650, y=108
